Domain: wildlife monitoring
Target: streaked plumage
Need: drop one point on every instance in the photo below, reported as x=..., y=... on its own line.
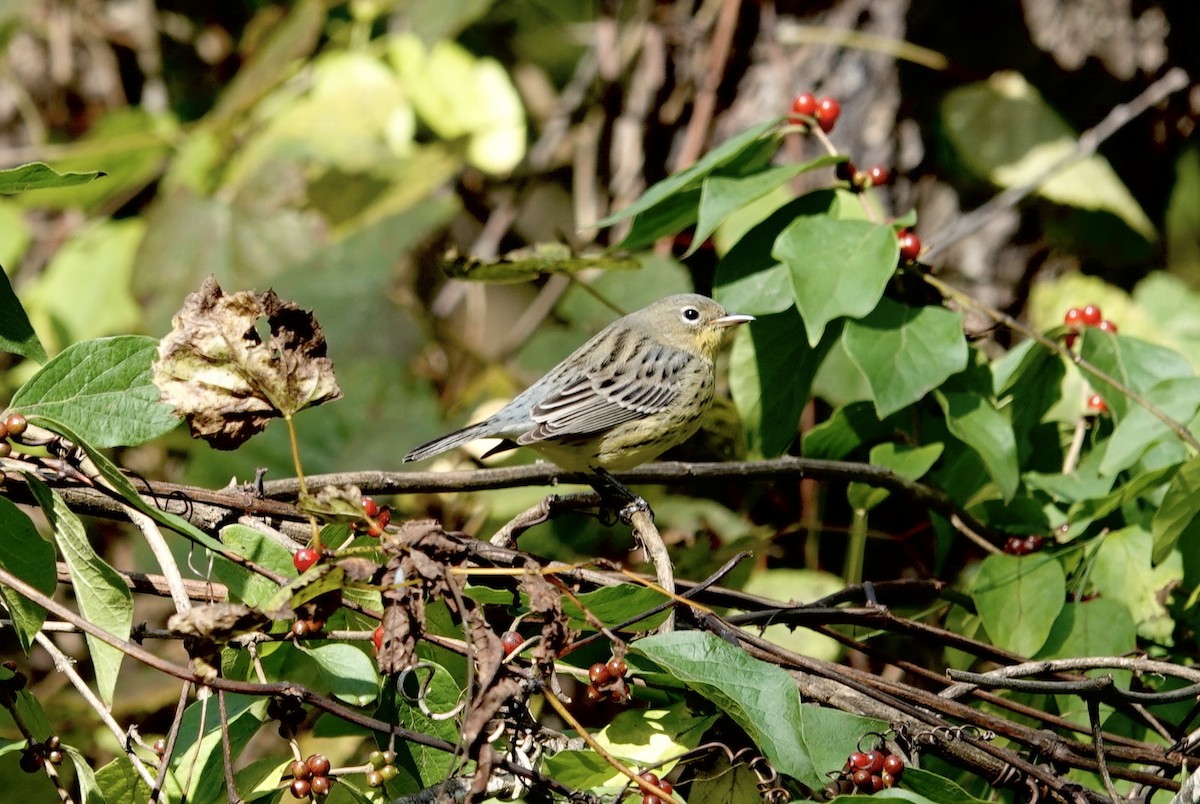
x=636, y=389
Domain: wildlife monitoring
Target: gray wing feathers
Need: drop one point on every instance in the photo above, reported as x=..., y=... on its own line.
x=643, y=383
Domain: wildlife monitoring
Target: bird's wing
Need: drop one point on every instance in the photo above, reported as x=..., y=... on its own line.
x=645, y=383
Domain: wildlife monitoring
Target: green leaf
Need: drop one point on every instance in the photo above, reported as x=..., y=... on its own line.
x=121, y=783
x=748, y=278
x=972, y=420
x=1028, y=380
x=90, y=791
x=732, y=150
x=16, y=333
x=721, y=196
x=101, y=389
x=1122, y=571
x=1179, y=514
x=1136, y=363
x=25, y=554
x=838, y=267
x=936, y=788
x=1138, y=430
x=1003, y=130
x=197, y=760
x=909, y=462
x=905, y=352
x=771, y=370
x=829, y=735
x=723, y=783
x=85, y=291
x=245, y=586
x=616, y=604
x=129, y=144
x=1098, y=627
x=846, y=429
x=103, y=598
x=38, y=176
x=759, y=697
x=1018, y=599
x=640, y=738
x=345, y=670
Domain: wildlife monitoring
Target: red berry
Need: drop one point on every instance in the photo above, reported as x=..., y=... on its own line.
x=594, y=695
x=827, y=113
x=159, y=747
x=1074, y=317
x=1033, y=542
x=804, y=106
x=304, y=558
x=910, y=246
x=858, y=760
x=319, y=765
x=31, y=761
x=888, y=779
x=300, y=770
x=1090, y=315
x=862, y=779
x=300, y=788
x=1096, y=402
x=377, y=638
x=510, y=641
x=845, y=171
x=321, y=785
x=599, y=674
x=650, y=777
x=370, y=507
x=893, y=764
x=617, y=667
x=878, y=175
x=876, y=758
x=876, y=782
x=1107, y=326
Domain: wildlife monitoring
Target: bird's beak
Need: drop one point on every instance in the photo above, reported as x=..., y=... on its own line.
x=732, y=320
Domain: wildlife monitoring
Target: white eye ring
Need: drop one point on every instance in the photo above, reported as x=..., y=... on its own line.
x=690, y=315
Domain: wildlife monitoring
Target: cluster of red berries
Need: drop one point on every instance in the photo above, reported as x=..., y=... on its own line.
x=1024, y=545
x=383, y=768
x=874, y=176
x=14, y=425
x=35, y=755
x=310, y=777
x=1086, y=316
x=652, y=778
x=867, y=772
x=288, y=711
x=608, y=678
x=377, y=517
x=807, y=107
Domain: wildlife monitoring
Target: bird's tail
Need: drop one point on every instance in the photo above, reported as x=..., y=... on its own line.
x=450, y=441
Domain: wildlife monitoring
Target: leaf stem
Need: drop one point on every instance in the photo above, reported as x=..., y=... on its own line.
x=857, y=551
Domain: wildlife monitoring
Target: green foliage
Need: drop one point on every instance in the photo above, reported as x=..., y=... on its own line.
x=338, y=152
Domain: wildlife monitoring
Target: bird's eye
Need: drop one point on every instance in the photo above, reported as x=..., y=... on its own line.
x=691, y=314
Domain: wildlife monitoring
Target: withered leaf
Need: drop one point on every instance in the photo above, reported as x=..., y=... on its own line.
x=227, y=381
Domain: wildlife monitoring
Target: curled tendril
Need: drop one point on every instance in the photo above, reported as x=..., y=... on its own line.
x=423, y=690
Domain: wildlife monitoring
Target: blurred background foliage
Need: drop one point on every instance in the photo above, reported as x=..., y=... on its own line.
x=345, y=154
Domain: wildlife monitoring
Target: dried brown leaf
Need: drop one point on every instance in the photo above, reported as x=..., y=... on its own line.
x=227, y=381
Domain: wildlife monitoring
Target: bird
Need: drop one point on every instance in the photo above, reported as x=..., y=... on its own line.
x=637, y=388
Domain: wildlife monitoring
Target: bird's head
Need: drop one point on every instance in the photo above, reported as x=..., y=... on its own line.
x=690, y=322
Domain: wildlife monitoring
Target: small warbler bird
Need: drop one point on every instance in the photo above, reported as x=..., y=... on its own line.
x=638, y=388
